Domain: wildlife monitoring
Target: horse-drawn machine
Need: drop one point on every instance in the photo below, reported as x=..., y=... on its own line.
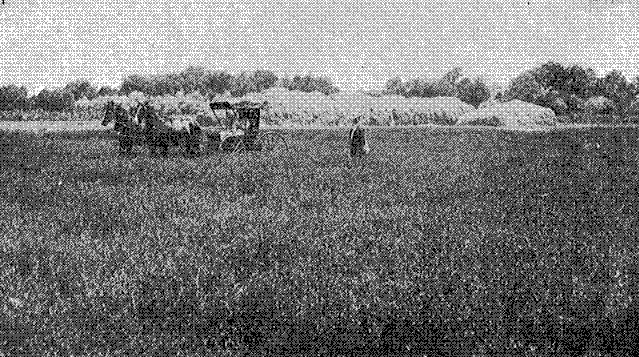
x=237, y=129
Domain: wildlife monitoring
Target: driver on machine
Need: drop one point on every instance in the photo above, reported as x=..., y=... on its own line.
x=233, y=128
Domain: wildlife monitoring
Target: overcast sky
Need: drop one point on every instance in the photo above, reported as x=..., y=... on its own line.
x=355, y=42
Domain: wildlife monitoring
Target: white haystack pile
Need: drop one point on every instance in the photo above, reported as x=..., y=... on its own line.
x=397, y=110
x=437, y=110
x=278, y=100
x=350, y=105
x=515, y=113
x=314, y=107
x=253, y=97
x=389, y=110
x=489, y=103
x=296, y=107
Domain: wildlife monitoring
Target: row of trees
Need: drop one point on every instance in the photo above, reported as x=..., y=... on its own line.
x=192, y=80
x=568, y=90
x=13, y=97
x=574, y=90
x=212, y=83
x=452, y=84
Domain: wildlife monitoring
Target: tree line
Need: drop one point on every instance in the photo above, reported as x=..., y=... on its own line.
x=567, y=90
x=570, y=91
x=576, y=90
x=193, y=79
x=451, y=84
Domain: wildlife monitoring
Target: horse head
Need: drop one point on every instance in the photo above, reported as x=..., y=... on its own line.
x=140, y=113
x=146, y=116
x=134, y=111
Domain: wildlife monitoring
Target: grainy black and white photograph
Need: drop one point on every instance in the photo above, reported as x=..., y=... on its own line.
x=328, y=178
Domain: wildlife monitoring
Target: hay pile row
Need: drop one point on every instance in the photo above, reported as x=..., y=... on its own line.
x=514, y=113
x=301, y=108
x=286, y=107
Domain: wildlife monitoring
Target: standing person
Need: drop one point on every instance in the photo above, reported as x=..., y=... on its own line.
x=394, y=117
x=357, y=140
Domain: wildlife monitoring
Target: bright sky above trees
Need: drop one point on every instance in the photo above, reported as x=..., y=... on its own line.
x=356, y=43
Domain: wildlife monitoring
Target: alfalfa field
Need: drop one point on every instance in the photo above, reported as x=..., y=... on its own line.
x=441, y=242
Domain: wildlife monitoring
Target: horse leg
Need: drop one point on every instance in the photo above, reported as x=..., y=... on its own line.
x=186, y=145
x=192, y=147
x=124, y=145
x=188, y=138
x=151, y=143
x=121, y=146
x=165, y=144
x=196, y=141
x=190, y=150
x=185, y=149
x=129, y=146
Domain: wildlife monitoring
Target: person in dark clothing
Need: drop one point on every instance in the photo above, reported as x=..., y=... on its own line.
x=357, y=140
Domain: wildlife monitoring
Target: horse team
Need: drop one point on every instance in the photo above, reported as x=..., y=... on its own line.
x=142, y=125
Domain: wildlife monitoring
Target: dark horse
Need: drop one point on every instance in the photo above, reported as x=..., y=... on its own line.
x=129, y=131
x=166, y=132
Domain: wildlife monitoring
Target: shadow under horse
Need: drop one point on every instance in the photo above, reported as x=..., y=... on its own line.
x=162, y=133
x=129, y=131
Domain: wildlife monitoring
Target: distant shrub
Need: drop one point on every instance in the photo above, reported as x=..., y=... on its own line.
x=471, y=92
x=559, y=106
x=11, y=115
x=525, y=88
x=599, y=110
x=599, y=105
x=13, y=98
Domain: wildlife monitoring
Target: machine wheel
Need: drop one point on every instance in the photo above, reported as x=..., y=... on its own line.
x=240, y=146
x=229, y=144
x=233, y=144
x=271, y=142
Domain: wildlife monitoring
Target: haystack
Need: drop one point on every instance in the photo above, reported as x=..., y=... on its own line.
x=351, y=105
x=515, y=113
x=389, y=109
x=298, y=107
x=341, y=108
x=438, y=110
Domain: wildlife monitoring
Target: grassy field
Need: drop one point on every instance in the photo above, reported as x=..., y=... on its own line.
x=441, y=242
